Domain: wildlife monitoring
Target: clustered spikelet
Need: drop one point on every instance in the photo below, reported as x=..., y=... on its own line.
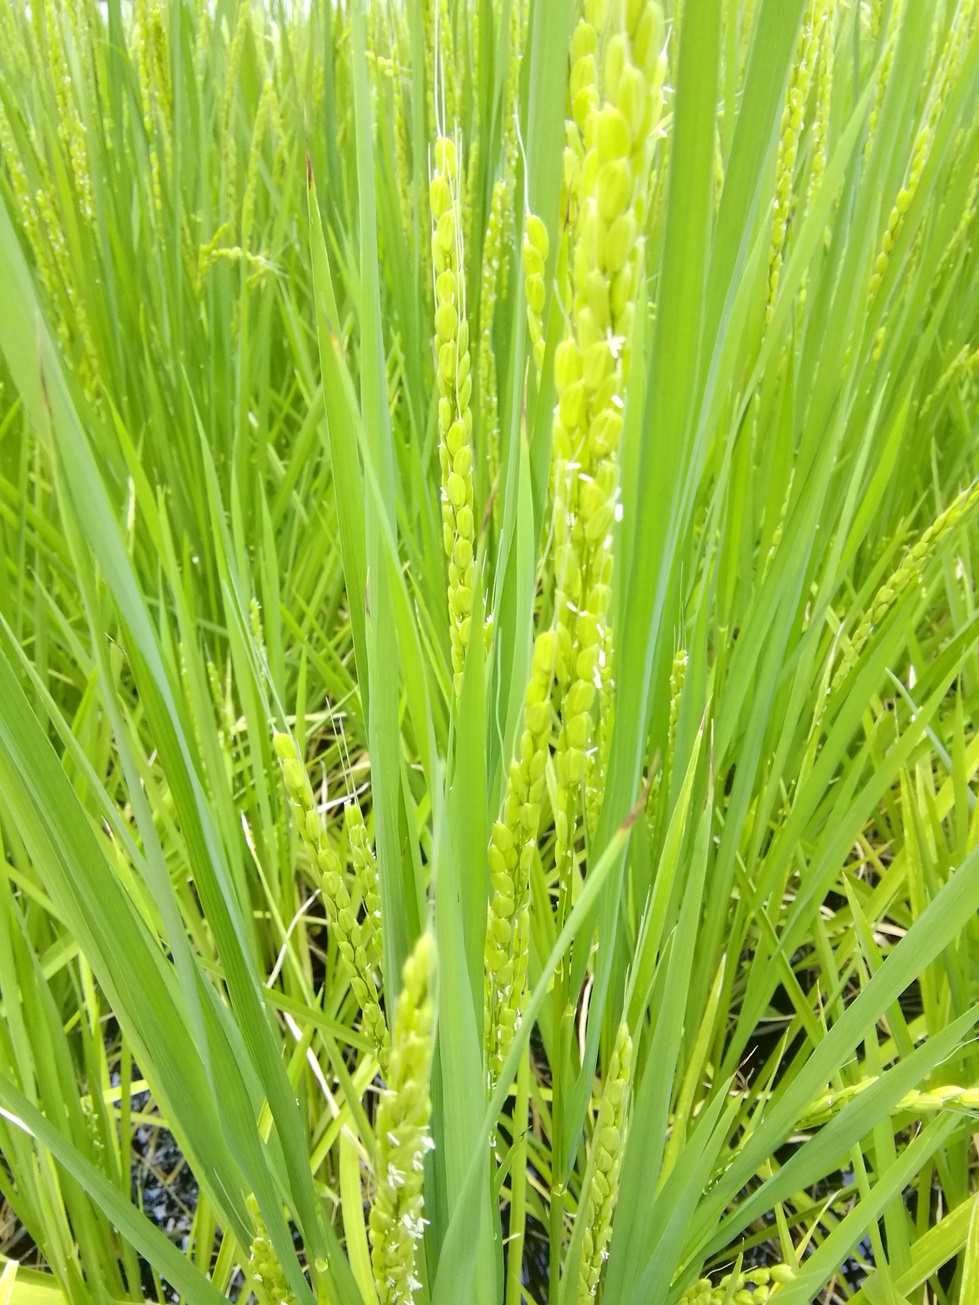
x=896, y=216
x=33, y=187
x=428, y=35
x=819, y=132
x=455, y=393
x=365, y=875
x=489, y=281
x=610, y=144
x=402, y=129
x=734, y=1289
x=511, y=852
x=824, y=100
x=153, y=61
x=606, y=1161
x=963, y=365
x=71, y=126
x=445, y=55
x=779, y=527
x=229, y=105
x=496, y=244
x=796, y=96
x=510, y=151
x=596, y=759
x=947, y=68
x=21, y=187
x=336, y=896
x=535, y=247
x=960, y=238
x=947, y=1097
x=885, y=66
x=907, y=572
x=271, y=1286
x=660, y=786
x=396, y=1218
x=264, y=117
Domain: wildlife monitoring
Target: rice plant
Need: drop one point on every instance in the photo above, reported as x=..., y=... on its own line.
x=489, y=689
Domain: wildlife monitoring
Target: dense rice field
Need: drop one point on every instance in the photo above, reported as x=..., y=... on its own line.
x=489, y=652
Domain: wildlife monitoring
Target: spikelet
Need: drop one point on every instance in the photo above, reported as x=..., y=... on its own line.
x=596, y=759
x=820, y=124
x=800, y=78
x=53, y=227
x=271, y=1286
x=901, y=204
x=960, y=236
x=43, y=224
x=511, y=852
x=489, y=281
x=534, y=252
x=402, y=133
x=947, y=70
x=229, y=150
x=264, y=116
x=26, y=207
x=908, y=571
x=156, y=94
x=734, y=1288
x=203, y=28
x=965, y=362
x=496, y=246
x=607, y=169
x=916, y=1102
x=336, y=898
x=510, y=152
x=396, y=1218
x=780, y=526
x=445, y=54
x=660, y=787
x=885, y=67
x=455, y=392
x=428, y=29
x=606, y=1161
x=71, y=129
x=365, y=875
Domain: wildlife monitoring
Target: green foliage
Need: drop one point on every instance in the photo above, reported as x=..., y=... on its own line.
x=489, y=691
